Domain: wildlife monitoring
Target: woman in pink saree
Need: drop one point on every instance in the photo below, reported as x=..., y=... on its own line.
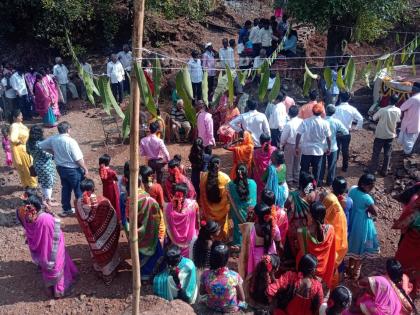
x=53, y=89
x=46, y=244
x=43, y=101
x=262, y=158
x=181, y=219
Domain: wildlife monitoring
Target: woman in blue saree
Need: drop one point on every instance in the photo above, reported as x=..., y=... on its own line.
x=242, y=194
x=275, y=178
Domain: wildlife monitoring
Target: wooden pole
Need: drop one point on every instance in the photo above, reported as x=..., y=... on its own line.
x=137, y=42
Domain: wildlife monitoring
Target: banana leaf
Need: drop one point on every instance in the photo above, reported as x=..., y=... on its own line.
x=187, y=82
x=366, y=74
x=126, y=125
x=230, y=84
x=350, y=76
x=110, y=99
x=146, y=96
x=384, y=57
x=157, y=75
x=413, y=63
x=242, y=77
x=106, y=103
x=265, y=76
x=328, y=77
x=205, y=88
x=397, y=38
x=378, y=68
x=340, y=81
x=389, y=63
x=313, y=76
x=275, y=90
x=222, y=86
x=403, y=56
x=307, y=83
x=190, y=113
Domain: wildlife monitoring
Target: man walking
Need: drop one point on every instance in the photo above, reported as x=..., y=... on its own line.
x=18, y=83
x=61, y=73
x=277, y=120
x=116, y=73
x=70, y=164
x=288, y=143
x=155, y=151
x=346, y=114
x=316, y=132
x=385, y=132
x=410, y=125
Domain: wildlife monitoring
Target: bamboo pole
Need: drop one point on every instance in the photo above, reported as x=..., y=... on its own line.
x=137, y=42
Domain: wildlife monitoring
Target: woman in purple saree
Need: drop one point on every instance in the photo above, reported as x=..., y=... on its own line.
x=46, y=244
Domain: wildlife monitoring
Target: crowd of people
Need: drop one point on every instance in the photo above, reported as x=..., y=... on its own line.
x=299, y=231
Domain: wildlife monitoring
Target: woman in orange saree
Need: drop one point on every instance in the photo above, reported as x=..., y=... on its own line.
x=318, y=239
x=214, y=199
x=242, y=150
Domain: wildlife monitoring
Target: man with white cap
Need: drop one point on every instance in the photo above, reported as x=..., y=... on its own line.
x=209, y=65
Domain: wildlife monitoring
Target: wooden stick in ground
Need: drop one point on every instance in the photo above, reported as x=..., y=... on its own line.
x=137, y=42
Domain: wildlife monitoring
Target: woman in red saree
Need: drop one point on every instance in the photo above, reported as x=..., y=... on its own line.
x=181, y=219
x=318, y=239
x=176, y=177
x=99, y=223
x=110, y=183
x=242, y=150
x=297, y=292
x=261, y=160
x=409, y=223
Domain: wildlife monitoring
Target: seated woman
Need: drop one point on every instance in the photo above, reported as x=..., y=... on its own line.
x=214, y=200
x=338, y=303
x=46, y=244
x=149, y=220
x=221, y=287
x=277, y=212
x=227, y=113
x=242, y=150
x=318, y=239
x=388, y=294
x=99, y=222
x=242, y=194
x=275, y=178
x=409, y=224
x=262, y=159
x=264, y=237
x=297, y=292
x=177, y=280
x=181, y=219
x=176, y=177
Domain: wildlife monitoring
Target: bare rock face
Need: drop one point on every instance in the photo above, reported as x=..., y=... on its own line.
x=153, y=305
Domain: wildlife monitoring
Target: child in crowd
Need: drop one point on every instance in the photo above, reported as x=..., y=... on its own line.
x=181, y=166
x=339, y=187
x=110, y=183
x=6, y=145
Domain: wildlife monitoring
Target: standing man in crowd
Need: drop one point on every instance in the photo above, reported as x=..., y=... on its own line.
x=70, y=164
x=196, y=74
x=385, y=132
x=155, y=151
x=346, y=114
x=244, y=32
x=252, y=121
x=61, y=74
x=337, y=128
x=179, y=121
x=315, y=132
x=288, y=143
x=410, y=125
x=253, y=37
x=126, y=58
x=306, y=110
x=18, y=83
x=278, y=119
x=227, y=55
x=116, y=73
x=209, y=65
x=205, y=125
x=9, y=95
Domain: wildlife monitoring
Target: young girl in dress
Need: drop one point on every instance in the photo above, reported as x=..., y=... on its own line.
x=110, y=183
x=6, y=145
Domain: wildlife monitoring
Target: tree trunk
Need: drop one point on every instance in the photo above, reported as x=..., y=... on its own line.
x=137, y=43
x=335, y=37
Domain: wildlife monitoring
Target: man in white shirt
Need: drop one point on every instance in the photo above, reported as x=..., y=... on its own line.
x=266, y=36
x=196, y=74
x=253, y=37
x=315, y=132
x=288, y=143
x=10, y=96
x=209, y=65
x=18, y=83
x=278, y=119
x=227, y=55
x=116, y=73
x=259, y=60
x=126, y=58
x=61, y=73
x=70, y=164
x=346, y=114
x=252, y=121
x=385, y=132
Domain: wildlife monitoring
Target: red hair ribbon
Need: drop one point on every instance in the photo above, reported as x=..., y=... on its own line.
x=267, y=261
x=203, y=223
x=177, y=200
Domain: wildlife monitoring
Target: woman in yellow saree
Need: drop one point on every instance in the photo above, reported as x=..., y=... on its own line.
x=19, y=135
x=214, y=199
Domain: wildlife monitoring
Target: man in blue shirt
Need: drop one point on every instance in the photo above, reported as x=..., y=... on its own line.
x=337, y=127
x=244, y=32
